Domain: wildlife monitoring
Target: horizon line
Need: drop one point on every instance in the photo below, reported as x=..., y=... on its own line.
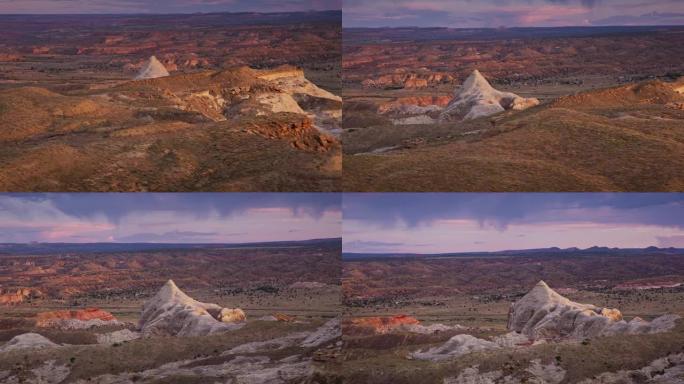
x=167, y=14
x=168, y=243
x=520, y=27
x=506, y=250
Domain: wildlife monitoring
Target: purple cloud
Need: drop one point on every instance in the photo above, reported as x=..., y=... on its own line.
x=511, y=13
x=163, y=6
x=168, y=218
x=440, y=222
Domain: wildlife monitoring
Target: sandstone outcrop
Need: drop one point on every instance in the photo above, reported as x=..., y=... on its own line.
x=535, y=373
x=414, y=105
x=152, y=69
x=544, y=314
x=678, y=86
x=666, y=370
x=477, y=98
x=75, y=319
x=402, y=78
x=117, y=336
x=27, y=341
x=382, y=325
x=292, y=81
x=329, y=331
x=390, y=324
x=18, y=296
x=173, y=313
x=454, y=347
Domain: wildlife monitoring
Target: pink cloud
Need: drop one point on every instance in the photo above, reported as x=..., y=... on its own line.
x=546, y=14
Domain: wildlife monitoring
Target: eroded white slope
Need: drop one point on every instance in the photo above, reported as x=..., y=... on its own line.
x=543, y=313
x=477, y=98
x=27, y=341
x=173, y=313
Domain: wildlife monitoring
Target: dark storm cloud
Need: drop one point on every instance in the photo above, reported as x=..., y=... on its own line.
x=164, y=6
x=500, y=210
x=168, y=217
x=114, y=206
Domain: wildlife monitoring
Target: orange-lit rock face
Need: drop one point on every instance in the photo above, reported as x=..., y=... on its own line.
x=46, y=319
x=402, y=79
x=18, y=296
x=611, y=313
x=383, y=324
x=418, y=101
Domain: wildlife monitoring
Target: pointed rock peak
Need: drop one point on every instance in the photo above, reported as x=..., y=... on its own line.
x=542, y=293
x=170, y=291
x=476, y=80
x=152, y=69
x=171, y=285
x=543, y=288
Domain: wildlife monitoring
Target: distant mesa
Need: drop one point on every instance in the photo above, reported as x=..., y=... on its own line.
x=75, y=319
x=477, y=98
x=152, y=69
x=173, y=313
x=544, y=314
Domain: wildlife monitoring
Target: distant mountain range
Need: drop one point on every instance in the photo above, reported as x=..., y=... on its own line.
x=55, y=248
x=416, y=34
x=574, y=251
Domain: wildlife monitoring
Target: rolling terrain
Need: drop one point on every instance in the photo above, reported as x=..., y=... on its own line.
x=457, y=318
x=247, y=312
x=236, y=112
x=602, y=125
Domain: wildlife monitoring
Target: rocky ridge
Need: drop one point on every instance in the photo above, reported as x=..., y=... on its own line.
x=544, y=314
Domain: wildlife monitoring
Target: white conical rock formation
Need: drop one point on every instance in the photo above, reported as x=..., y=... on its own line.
x=173, y=313
x=543, y=313
x=152, y=70
x=477, y=98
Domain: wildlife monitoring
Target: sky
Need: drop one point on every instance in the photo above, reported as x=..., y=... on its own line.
x=168, y=217
x=440, y=223
x=163, y=6
x=511, y=13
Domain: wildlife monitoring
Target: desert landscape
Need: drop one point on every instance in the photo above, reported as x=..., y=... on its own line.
x=458, y=288
x=515, y=317
x=513, y=109
x=183, y=313
x=184, y=102
x=169, y=287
